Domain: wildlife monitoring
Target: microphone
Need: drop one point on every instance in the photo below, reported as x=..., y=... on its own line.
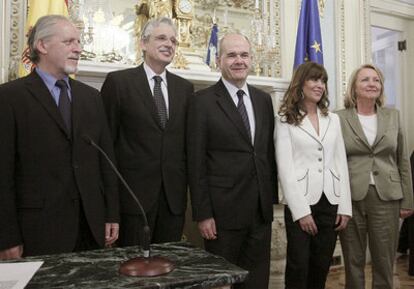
x=141, y=266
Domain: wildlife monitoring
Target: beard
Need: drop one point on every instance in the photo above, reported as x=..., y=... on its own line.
x=71, y=69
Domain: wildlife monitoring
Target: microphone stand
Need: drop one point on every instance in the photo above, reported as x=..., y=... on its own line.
x=140, y=266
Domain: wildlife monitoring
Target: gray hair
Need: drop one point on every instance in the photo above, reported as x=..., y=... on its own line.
x=153, y=23
x=43, y=29
x=220, y=44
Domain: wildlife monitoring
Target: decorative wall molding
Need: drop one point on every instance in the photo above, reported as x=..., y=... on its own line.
x=18, y=11
x=278, y=21
x=94, y=74
x=396, y=8
x=365, y=11
x=4, y=35
x=340, y=43
x=353, y=40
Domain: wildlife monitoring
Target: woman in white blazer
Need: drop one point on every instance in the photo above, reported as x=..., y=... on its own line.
x=313, y=174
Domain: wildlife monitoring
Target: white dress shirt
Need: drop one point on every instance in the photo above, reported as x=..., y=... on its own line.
x=164, y=85
x=232, y=90
x=369, y=125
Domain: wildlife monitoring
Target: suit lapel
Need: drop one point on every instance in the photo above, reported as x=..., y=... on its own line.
x=141, y=85
x=353, y=121
x=229, y=108
x=307, y=127
x=39, y=91
x=259, y=113
x=173, y=100
x=77, y=107
x=382, y=120
x=324, y=122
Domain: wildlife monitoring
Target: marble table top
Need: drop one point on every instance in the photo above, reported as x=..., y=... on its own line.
x=195, y=269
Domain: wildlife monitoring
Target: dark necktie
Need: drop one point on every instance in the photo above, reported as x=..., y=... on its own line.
x=243, y=112
x=159, y=101
x=64, y=104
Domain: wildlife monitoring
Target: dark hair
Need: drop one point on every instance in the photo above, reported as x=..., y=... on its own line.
x=292, y=110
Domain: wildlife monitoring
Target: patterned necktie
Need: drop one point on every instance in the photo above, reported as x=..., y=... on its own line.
x=243, y=112
x=64, y=104
x=159, y=101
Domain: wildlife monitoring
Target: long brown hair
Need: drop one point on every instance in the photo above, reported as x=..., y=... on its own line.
x=292, y=110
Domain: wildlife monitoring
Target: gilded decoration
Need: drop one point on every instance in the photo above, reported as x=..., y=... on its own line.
x=194, y=20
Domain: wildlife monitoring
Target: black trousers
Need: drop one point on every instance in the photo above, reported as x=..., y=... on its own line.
x=308, y=257
x=165, y=226
x=248, y=248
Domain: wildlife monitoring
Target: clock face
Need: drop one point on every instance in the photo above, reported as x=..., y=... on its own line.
x=185, y=6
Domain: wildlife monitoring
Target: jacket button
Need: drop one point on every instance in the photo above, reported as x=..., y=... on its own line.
x=320, y=159
x=75, y=166
x=376, y=173
x=319, y=148
x=320, y=170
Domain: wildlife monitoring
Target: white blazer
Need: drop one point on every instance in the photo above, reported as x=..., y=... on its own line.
x=310, y=164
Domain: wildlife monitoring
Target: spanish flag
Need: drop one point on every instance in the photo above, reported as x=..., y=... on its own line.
x=37, y=9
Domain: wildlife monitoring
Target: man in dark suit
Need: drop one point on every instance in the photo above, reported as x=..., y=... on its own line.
x=56, y=192
x=146, y=108
x=232, y=165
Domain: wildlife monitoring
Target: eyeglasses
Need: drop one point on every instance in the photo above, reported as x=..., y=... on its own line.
x=164, y=38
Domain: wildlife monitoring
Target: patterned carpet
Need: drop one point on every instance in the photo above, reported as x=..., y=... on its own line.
x=336, y=277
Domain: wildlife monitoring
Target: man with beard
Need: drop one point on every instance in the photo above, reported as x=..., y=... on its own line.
x=232, y=167
x=146, y=109
x=57, y=194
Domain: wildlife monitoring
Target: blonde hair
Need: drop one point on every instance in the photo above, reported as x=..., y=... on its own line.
x=350, y=100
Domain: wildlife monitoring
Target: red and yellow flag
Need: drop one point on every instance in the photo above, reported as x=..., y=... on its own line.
x=37, y=9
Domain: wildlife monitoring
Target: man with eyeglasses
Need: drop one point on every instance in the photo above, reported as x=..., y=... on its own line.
x=57, y=194
x=146, y=110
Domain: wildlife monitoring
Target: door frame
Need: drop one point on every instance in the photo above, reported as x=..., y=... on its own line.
x=399, y=16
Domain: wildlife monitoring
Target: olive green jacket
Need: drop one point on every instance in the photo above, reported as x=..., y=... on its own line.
x=387, y=158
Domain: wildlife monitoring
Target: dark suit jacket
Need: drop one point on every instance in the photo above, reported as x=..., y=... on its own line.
x=44, y=170
x=148, y=156
x=229, y=177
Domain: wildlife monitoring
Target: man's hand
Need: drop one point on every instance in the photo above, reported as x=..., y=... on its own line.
x=207, y=229
x=404, y=213
x=12, y=253
x=341, y=222
x=111, y=233
x=308, y=225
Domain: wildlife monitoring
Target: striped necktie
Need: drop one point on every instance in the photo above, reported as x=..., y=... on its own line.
x=159, y=101
x=243, y=112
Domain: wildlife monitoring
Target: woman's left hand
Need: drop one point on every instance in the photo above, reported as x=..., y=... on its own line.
x=341, y=222
x=404, y=213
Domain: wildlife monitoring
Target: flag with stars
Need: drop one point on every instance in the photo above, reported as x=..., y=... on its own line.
x=309, y=39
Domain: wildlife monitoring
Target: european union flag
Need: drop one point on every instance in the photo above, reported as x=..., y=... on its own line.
x=309, y=39
x=212, y=45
